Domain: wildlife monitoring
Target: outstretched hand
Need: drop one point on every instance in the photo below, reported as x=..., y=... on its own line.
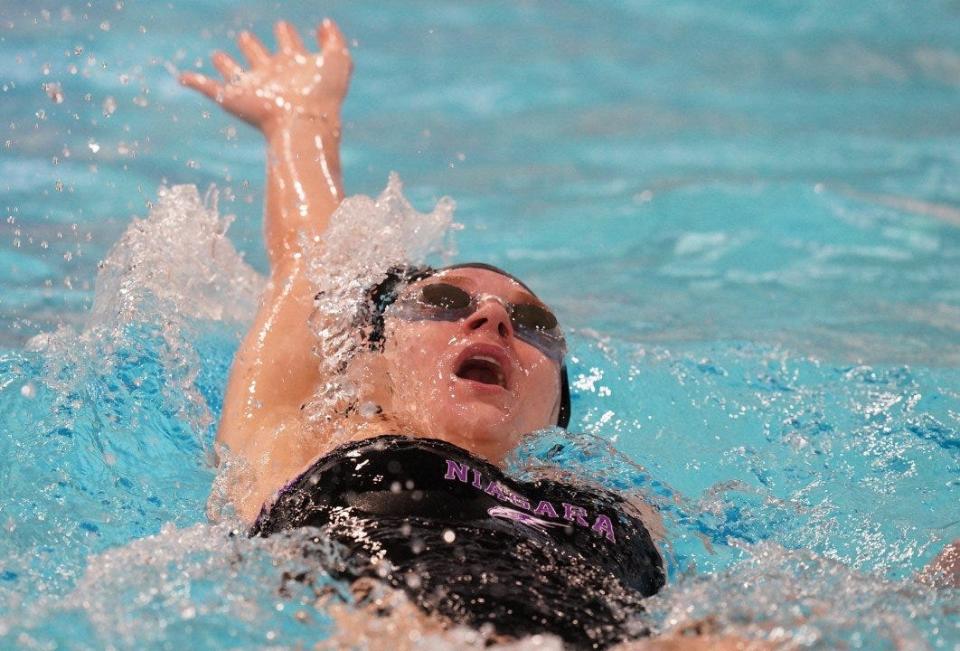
x=292, y=82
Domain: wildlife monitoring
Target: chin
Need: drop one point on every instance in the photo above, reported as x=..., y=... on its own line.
x=480, y=428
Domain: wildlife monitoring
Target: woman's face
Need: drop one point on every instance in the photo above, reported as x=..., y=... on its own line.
x=470, y=380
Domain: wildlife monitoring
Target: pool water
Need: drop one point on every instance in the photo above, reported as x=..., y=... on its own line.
x=747, y=218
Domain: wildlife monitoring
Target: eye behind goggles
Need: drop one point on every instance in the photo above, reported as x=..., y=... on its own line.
x=440, y=301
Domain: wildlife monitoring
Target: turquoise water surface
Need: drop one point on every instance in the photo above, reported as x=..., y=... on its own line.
x=746, y=215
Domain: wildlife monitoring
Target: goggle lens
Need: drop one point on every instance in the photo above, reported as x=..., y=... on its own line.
x=444, y=296
x=531, y=323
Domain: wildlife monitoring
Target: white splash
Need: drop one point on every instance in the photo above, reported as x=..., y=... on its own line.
x=365, y=238
x=177, y=262
x=166, y=273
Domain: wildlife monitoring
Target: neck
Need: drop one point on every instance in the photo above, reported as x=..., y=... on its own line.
x=356, y=427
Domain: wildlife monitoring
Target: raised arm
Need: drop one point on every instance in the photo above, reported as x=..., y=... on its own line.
x=293, y=96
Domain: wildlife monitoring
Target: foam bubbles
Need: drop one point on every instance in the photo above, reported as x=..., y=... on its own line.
x=803, y=599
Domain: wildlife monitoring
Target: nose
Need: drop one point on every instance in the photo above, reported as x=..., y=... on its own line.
x=492, y=315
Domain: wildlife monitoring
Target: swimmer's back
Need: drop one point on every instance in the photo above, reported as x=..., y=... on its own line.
x=525, y=557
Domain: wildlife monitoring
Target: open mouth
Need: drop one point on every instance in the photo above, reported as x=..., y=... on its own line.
x=482, y=367
x=485, y=370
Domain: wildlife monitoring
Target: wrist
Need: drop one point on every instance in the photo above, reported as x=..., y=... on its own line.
x=304, y=124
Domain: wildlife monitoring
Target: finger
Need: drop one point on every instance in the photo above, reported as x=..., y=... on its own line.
x=209, y=87
x=255, y=52
x=330, y=37
x=226, y=65
x=287, y=38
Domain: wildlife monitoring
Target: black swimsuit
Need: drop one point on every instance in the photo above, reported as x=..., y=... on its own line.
x=467, y=542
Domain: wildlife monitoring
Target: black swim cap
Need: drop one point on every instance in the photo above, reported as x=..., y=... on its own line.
x=383, y=294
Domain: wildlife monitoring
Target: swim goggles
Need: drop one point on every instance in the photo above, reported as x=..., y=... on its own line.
x=440, y=301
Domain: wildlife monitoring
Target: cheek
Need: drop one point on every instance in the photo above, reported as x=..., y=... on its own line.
x=541, y=385
x=414, y=351
x=420, y=396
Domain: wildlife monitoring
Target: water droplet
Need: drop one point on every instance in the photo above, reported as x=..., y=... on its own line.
x=449, y=536
x=28, y=390
x=109, y=106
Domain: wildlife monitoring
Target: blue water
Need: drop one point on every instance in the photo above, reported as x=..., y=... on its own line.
x=748, y=218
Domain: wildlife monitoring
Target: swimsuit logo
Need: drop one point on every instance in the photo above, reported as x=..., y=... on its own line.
x=571, y=513
x=523, y=518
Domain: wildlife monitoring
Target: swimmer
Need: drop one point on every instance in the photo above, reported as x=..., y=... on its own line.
x=502, y=373
x=461, y=364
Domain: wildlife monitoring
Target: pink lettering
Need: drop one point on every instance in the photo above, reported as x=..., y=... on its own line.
x=457, y=471
x=517, y=500
x=602, y=525
x=493, y=488
x=522, y=502
x=545, y=508
x=571, y=513
x=605, y=526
